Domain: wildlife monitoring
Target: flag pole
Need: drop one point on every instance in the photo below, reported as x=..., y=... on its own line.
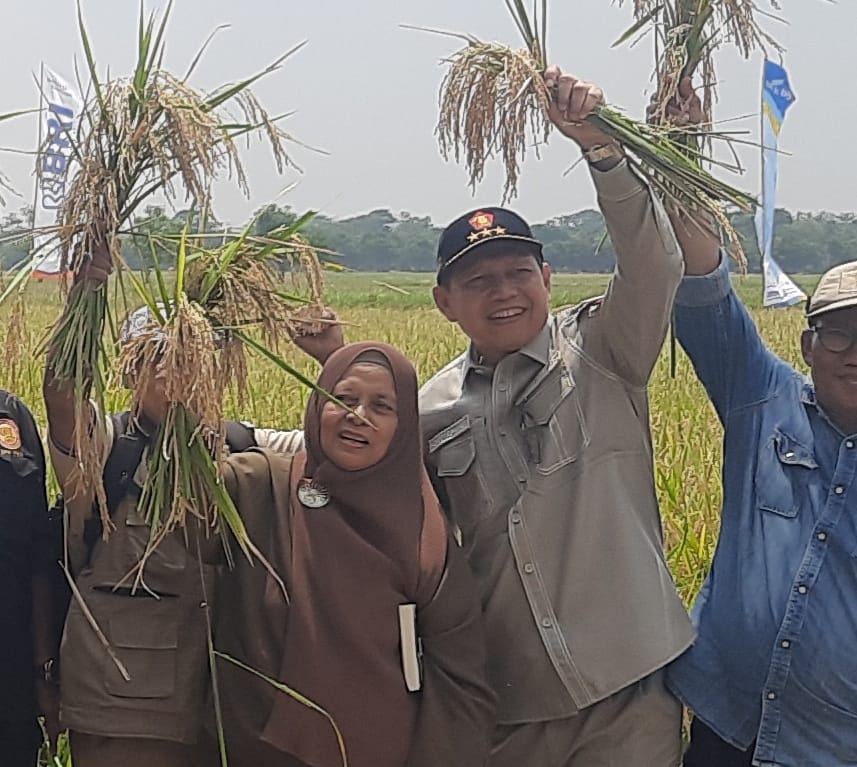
x=39, y=145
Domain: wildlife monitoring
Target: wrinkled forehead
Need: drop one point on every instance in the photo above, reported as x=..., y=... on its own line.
x=839, y=318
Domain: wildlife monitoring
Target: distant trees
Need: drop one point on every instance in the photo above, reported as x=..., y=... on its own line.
x=382, y=240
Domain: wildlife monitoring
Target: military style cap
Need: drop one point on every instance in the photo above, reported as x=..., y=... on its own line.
x=138, y=323
x=478, y=227
x=141, y=322
x=837, y=289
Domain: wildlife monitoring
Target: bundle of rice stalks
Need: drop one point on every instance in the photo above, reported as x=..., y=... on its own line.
x=145, y=134
x=494, y=100
x=687, y=35
x=193, y=349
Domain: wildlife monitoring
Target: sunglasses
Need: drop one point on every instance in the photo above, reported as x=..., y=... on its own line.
x=836, y=340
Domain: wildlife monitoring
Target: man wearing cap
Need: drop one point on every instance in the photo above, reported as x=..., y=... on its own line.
x=152, y=710
x=538, y=442
x=772, y=676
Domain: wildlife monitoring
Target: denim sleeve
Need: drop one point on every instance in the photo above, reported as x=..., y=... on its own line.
x=716, y=330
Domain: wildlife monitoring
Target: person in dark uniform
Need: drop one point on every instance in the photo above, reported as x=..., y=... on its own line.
x=27, y=647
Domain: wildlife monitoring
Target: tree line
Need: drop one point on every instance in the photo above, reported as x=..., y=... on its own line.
x=382, y=240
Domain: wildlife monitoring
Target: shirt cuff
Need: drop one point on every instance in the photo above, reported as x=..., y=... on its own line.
x=617, y=184
x=705, y=289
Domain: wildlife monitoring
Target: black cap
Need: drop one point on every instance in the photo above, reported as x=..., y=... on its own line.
x=479, y=227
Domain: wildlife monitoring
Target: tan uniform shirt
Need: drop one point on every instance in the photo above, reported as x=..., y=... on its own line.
x=545, y=464
x=158, y=633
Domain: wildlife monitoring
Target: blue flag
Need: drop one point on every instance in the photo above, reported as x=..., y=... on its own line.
x=777, y=97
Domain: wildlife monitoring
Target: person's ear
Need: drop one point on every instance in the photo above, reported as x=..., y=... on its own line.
x=443, y=301
x=806, y=339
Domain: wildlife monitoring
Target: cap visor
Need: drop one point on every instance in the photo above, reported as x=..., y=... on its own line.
x=470, y=248
x=842, y=304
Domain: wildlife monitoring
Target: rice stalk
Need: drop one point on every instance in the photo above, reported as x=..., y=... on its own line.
x=146, y=133
x=495, y=101
x=191, y=352
x=688, y=34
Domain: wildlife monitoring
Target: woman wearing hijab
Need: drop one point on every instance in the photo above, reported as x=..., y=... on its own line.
x=354, y=530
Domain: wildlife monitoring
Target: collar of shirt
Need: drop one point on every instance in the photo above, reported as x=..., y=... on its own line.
x=537, y=350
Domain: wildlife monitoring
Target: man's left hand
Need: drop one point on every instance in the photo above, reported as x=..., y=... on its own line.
x=321, y=345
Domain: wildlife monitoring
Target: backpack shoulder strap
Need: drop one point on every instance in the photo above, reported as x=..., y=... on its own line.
x=125, y=454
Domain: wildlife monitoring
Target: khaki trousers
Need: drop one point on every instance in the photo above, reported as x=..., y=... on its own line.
x=639, y=726
x=99, y=751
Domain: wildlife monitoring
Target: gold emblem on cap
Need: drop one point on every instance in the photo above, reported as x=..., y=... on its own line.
x=481, y=220
x=10, y=435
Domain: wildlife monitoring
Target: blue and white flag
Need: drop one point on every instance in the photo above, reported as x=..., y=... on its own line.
x=60, y=110
x=777, y=97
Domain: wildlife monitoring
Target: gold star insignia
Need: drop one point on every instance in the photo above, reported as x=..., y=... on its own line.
x=473, y=236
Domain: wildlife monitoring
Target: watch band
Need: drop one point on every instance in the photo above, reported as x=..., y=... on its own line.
x=603, y=152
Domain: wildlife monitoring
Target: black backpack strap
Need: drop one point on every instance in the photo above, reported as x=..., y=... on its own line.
x=125, y=454
x=129, y=442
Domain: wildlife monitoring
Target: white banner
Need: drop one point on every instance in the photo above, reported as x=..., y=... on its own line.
x=60, y=109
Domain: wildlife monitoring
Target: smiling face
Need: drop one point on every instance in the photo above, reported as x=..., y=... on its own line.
x=346, y=440
x=834, y=373
x=500, y=301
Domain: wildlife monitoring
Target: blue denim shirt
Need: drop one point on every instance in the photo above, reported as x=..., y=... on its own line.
x=775, y=661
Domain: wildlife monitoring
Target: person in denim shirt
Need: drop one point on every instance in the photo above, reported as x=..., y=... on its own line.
x=772, y=677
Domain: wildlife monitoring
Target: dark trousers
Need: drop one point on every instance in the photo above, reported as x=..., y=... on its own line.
x=707, y=749
x=19, y=743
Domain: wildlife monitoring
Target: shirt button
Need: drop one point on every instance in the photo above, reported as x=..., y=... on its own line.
x=529, y=569
x=522, y=479
x=849, y=444
x=802, y=589
x=516, y=519
x=839, y=489
x=547, y=622
x=822, y=536
x=785, y=644
x=502, y=387
x=503, y=432
x=772, y=695
x=790, y=454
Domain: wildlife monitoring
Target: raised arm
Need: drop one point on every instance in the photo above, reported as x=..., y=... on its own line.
x=627, y=333
x=61, y=400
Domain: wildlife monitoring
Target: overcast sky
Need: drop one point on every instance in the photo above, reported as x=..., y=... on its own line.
x=365, y=91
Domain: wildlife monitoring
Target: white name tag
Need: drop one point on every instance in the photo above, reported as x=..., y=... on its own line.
x=411, y=647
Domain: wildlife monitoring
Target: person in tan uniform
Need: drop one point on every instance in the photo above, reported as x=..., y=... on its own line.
x=381, y=628
x=538, y=443
x=158, y=633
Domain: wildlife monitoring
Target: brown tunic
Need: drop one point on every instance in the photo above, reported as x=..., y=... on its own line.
x=347, y=568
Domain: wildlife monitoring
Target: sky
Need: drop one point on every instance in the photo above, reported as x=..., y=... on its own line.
x=365, y=91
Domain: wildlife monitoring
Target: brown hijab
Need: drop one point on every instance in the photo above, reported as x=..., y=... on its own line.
x=378, y=543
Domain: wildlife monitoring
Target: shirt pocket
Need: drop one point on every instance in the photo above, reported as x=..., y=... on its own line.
x=148, y=650
x=553, y=422
x=782, y=475
x=452, y=451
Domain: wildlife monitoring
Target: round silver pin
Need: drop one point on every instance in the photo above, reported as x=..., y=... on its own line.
x=313, y=496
